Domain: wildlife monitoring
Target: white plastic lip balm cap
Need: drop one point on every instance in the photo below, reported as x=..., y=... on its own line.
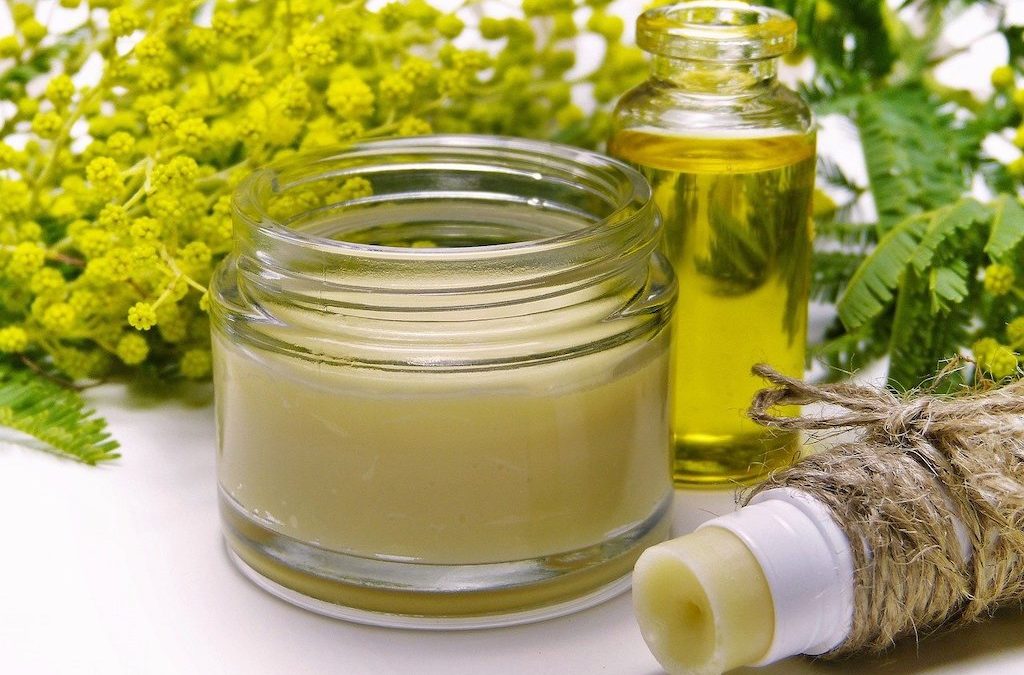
x=808, y=564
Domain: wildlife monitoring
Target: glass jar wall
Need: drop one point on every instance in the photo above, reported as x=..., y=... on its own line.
x=440, y=368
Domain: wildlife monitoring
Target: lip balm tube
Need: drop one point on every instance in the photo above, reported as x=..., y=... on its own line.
x=772, y=580
x=441, y=403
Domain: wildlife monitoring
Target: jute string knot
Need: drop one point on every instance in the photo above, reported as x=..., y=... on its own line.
x=931, y=497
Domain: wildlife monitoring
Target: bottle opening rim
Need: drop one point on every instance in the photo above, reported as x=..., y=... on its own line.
x=716, y=30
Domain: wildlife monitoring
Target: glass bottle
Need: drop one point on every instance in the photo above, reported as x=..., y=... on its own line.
x=730, y=153
x=440, y=367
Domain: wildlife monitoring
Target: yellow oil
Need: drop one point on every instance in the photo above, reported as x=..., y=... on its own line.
x=738, y=232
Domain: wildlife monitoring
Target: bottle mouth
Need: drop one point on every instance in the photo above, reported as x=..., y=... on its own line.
x=716, y=30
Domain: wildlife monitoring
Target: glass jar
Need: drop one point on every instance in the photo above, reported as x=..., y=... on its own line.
x=730, y=153
x=440, y=368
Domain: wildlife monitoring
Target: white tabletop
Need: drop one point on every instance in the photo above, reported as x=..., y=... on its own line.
x=121, y=569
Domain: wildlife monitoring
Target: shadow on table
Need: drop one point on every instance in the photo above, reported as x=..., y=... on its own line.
x=148, y=392
x=608, y=633
x=972, y=647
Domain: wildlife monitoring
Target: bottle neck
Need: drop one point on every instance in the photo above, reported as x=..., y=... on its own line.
x=715, y=77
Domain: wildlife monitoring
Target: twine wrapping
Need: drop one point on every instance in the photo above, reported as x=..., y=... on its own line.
x=923, y=462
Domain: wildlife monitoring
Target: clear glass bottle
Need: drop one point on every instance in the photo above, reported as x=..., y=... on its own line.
x=730, y=153
x=440, y=366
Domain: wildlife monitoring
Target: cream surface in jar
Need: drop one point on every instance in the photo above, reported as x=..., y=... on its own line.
x=444, y=400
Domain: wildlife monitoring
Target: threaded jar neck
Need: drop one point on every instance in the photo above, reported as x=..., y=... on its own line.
x=487, y=250
x=443, y=216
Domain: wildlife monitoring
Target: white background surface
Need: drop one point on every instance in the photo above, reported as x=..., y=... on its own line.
x=121, y=570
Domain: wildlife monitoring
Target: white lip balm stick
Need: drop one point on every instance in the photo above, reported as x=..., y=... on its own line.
x=772, y=580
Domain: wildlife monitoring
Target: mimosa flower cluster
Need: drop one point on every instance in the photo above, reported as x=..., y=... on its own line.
x=115, y=190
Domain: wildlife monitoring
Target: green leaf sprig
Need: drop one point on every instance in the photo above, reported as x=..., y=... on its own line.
x=936, y=275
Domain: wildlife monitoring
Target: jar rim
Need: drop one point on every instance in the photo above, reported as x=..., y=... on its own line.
x=585, y=233
x=716, y=30
x=250, y=199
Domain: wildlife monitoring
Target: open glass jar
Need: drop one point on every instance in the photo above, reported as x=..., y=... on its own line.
x=441, y=369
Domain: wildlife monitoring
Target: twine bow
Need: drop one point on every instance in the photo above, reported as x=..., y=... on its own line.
x=880, y=412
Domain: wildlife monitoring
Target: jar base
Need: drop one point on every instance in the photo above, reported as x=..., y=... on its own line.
x=370, y=618
x=436, y=597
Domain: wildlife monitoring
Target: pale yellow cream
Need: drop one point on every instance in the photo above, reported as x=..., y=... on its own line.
x=445, y=468
x=703, y=603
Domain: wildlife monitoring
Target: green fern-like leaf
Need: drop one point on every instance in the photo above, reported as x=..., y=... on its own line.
x=830, y=271
x=914, y=242
x=911, y=154
x=853, y=31
x=872, y=286
x=1007, y=227
x=917, y=295
x=921, y=339
x=946, y=223
x=948, y=285
x=56, y=416
x=933, y=316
